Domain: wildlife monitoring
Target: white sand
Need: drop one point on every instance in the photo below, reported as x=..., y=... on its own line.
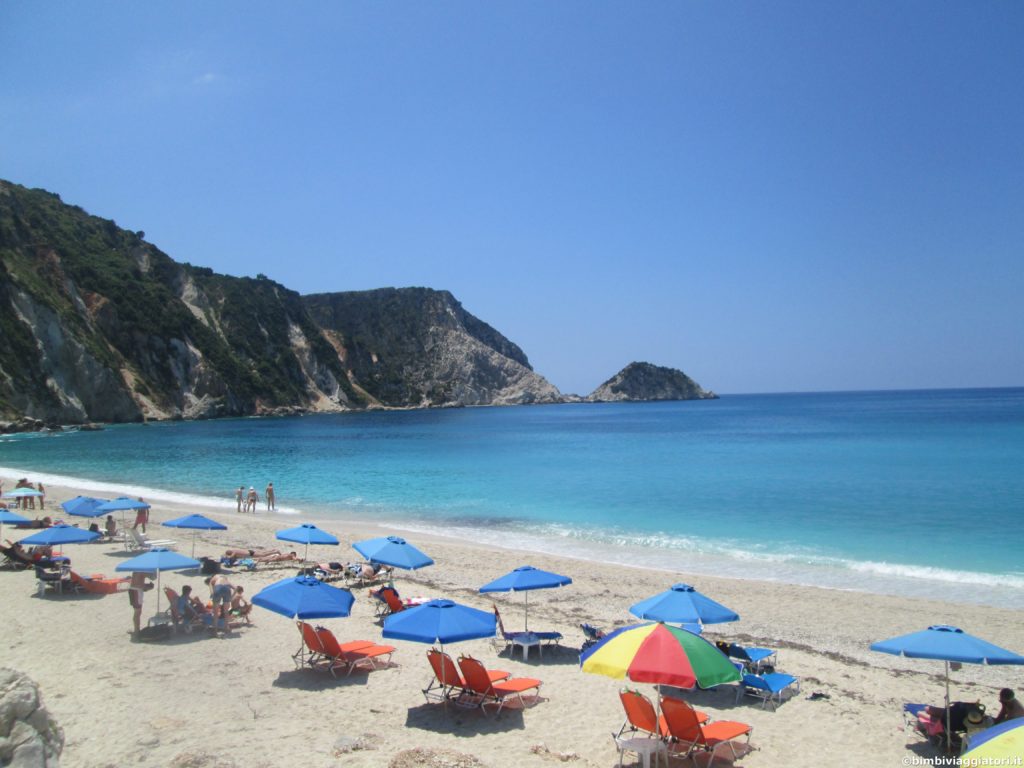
x=239, y=699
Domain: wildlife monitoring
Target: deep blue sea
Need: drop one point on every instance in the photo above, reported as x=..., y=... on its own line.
x=916, y=493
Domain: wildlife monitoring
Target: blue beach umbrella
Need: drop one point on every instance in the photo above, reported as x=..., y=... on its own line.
x=948, y=644
x=156, y=561
x=394, y=551
x=196, y=523
x=440, y=621
x=122, y=503
x=523, y=579
x=84, y=506
x=22, y=493
x=682, y=604
x=307, y=534
x=59, y=535
x=303, y=597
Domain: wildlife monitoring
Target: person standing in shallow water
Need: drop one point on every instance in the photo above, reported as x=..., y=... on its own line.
x=238, y=496
x=250, y=502
x=270, y=496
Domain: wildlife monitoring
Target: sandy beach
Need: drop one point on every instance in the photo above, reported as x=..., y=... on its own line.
x=237, y=699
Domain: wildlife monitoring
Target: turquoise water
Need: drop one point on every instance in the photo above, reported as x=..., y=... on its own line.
x=918, y=493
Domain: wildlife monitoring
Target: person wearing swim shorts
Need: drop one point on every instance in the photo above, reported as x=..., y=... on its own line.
x=221, y=593
x=137, y=587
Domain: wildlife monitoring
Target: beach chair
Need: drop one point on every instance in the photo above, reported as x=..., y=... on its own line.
x=525, y=640
x=641, y=717
x=447, y=682
x=769, y=688
x=311, y=652
x=56, y=579
x=177, y=620
x=687, y=735
x=388, y=602
x=136, y=541
x=591, y=636
x=479, y=686
x=755, y=660
x=357, y=653
x=16, y=559
x=98, y=584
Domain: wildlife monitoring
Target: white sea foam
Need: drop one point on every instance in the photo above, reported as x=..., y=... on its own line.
x=125, y=489
x=724, y=558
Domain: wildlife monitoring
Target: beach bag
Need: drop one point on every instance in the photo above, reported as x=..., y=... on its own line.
x=155, y=633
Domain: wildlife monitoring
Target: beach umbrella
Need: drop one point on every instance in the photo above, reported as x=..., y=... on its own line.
x=11, y=518
x=307, y=534
x=155, y=562
x=661, y=654
x=440, y=621
x=394, y=551
x=196, y=523
x=84, y=506
x=682, y=604
x=1001, y=744
x=122, y=503
x=523, y=579
x=945, y=643
x=59, y=535
x=303, y=597
x=22, y=493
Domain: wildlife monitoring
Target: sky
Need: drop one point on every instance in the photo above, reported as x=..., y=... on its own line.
x=771, y=197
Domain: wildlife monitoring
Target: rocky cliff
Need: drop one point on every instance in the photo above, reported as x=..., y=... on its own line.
x=643, y=381
x=419, y=347
x=96, y=324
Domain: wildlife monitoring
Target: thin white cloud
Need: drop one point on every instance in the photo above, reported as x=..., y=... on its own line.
x=207, y=78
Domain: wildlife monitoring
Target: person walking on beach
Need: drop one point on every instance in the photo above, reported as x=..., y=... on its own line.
x=270, y=496
x=238, y=496
x=251, y=500
x=141, y=516
x=136, y=587
x=42, y=495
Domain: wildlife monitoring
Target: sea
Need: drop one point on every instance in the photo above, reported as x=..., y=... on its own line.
x=916, y=493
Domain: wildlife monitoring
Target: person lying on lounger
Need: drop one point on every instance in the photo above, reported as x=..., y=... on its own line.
x=275, y=557
x=240, y=554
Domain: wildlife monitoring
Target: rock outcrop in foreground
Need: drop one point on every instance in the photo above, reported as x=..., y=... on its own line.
x=29, y=736
x=643, y=381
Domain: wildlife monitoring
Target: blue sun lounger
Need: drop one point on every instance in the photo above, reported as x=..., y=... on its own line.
x=769, y=688
x=754, y=659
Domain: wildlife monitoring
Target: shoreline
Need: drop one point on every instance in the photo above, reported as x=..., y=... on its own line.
x=162, y=696
x=839, y=574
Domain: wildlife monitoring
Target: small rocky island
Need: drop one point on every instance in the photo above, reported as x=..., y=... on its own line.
x=644, y=381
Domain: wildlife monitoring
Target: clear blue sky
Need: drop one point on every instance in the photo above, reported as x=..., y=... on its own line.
x=770, y=196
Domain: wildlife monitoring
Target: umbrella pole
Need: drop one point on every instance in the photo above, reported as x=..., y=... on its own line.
x=949, y=736
x=526, y=618
x=194, y=544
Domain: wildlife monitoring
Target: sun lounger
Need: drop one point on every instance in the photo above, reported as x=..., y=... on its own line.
x=689, y=736
x=98, y=584
x=205, y=618
x=591, y=635
x=357, y=653
x=769, y=688
x=526, y=640
x=641, y=717
x=447, y=682
x=17, y=559
x=57, y=579
x=754, y=660
x=485, y=691
x=136, y=540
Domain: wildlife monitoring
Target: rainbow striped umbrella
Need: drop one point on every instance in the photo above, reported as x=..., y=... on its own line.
x=1001, y=744
x=659, y=653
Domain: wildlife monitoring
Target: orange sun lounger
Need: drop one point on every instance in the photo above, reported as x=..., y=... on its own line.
x=689, y=736
x=447, y=682
x=357, y=653
x=486, y=691
x=98, y=584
